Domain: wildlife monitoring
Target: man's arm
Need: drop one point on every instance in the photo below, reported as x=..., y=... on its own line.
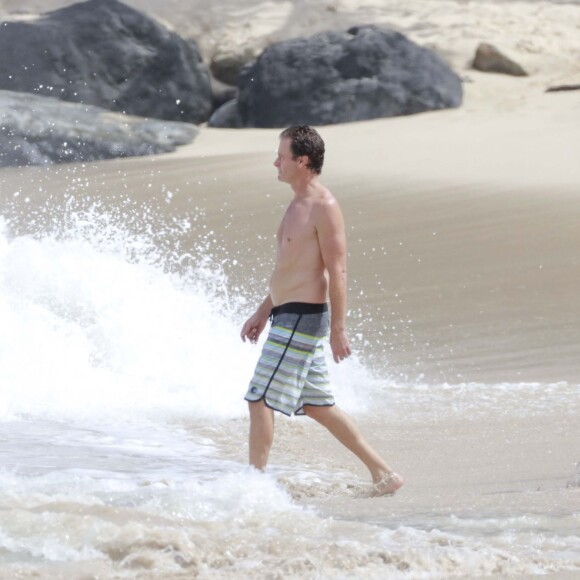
x=256, y=323
x=332, y=241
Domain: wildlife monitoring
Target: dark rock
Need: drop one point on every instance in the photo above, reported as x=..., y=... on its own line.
x=38, y=130
x=337, y=77
x=560, y=88
x=221, y=93
x=489, y=59
x=104, y=53
x=227, y=115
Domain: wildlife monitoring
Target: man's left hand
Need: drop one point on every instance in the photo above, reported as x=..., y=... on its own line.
x=339, y=345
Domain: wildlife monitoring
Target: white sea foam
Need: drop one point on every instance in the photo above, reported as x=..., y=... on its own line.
x=87, y=332
x=240, y=523
x=418, y=401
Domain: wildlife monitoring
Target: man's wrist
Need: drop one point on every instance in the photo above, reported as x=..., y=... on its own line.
x=265, y=308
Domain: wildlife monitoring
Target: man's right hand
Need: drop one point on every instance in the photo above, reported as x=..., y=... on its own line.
x=253, y=327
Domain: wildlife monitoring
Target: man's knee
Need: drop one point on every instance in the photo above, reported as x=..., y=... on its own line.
x=256, y=406
x=259, y=410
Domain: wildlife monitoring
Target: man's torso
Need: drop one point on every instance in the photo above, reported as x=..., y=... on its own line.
x=299, y=274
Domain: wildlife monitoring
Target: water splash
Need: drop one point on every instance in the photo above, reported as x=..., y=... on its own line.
x=97, y=318
x=122, y=312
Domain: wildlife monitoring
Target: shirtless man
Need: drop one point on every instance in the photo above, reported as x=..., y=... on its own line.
x=291, y=375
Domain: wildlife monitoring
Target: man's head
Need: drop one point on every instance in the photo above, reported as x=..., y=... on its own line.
x=306, y=142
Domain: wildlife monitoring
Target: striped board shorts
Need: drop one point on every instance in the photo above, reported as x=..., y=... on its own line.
x=291, y=371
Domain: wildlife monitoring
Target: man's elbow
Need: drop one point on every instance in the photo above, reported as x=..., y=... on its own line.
x=337, y=273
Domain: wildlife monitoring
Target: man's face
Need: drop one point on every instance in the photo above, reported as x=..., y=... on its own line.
x=287, y=167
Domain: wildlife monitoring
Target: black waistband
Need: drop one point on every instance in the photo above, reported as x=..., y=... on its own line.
x=299, y=308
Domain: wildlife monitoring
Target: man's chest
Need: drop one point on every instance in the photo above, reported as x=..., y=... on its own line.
x=297, y=226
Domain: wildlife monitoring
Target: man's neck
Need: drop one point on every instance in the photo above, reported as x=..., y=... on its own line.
x=305, y=186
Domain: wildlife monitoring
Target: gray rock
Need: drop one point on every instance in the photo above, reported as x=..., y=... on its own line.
x=562, y=88
x=38, y=130
x=227, y=115
x=337, y=77
x=489, y=59
x=103, y=53
x=221, y=93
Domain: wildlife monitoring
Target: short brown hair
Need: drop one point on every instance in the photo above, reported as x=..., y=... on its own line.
x=305, y=140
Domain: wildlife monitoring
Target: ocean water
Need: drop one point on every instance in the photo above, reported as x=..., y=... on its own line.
x=123, y=428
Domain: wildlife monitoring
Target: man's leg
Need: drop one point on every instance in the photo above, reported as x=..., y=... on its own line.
x=261, y=433
x=342, y=427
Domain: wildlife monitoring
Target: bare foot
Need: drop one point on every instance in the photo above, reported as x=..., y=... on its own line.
x=388, y=485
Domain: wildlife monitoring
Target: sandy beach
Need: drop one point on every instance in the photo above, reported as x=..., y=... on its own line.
x=464, y=277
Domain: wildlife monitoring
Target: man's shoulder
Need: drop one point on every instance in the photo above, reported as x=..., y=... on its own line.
x=325, y=202
x=326, y=212
x=323, y=197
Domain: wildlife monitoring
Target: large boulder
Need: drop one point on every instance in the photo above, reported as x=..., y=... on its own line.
x=336, y=77
x=103, y=53
x=41, y=130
